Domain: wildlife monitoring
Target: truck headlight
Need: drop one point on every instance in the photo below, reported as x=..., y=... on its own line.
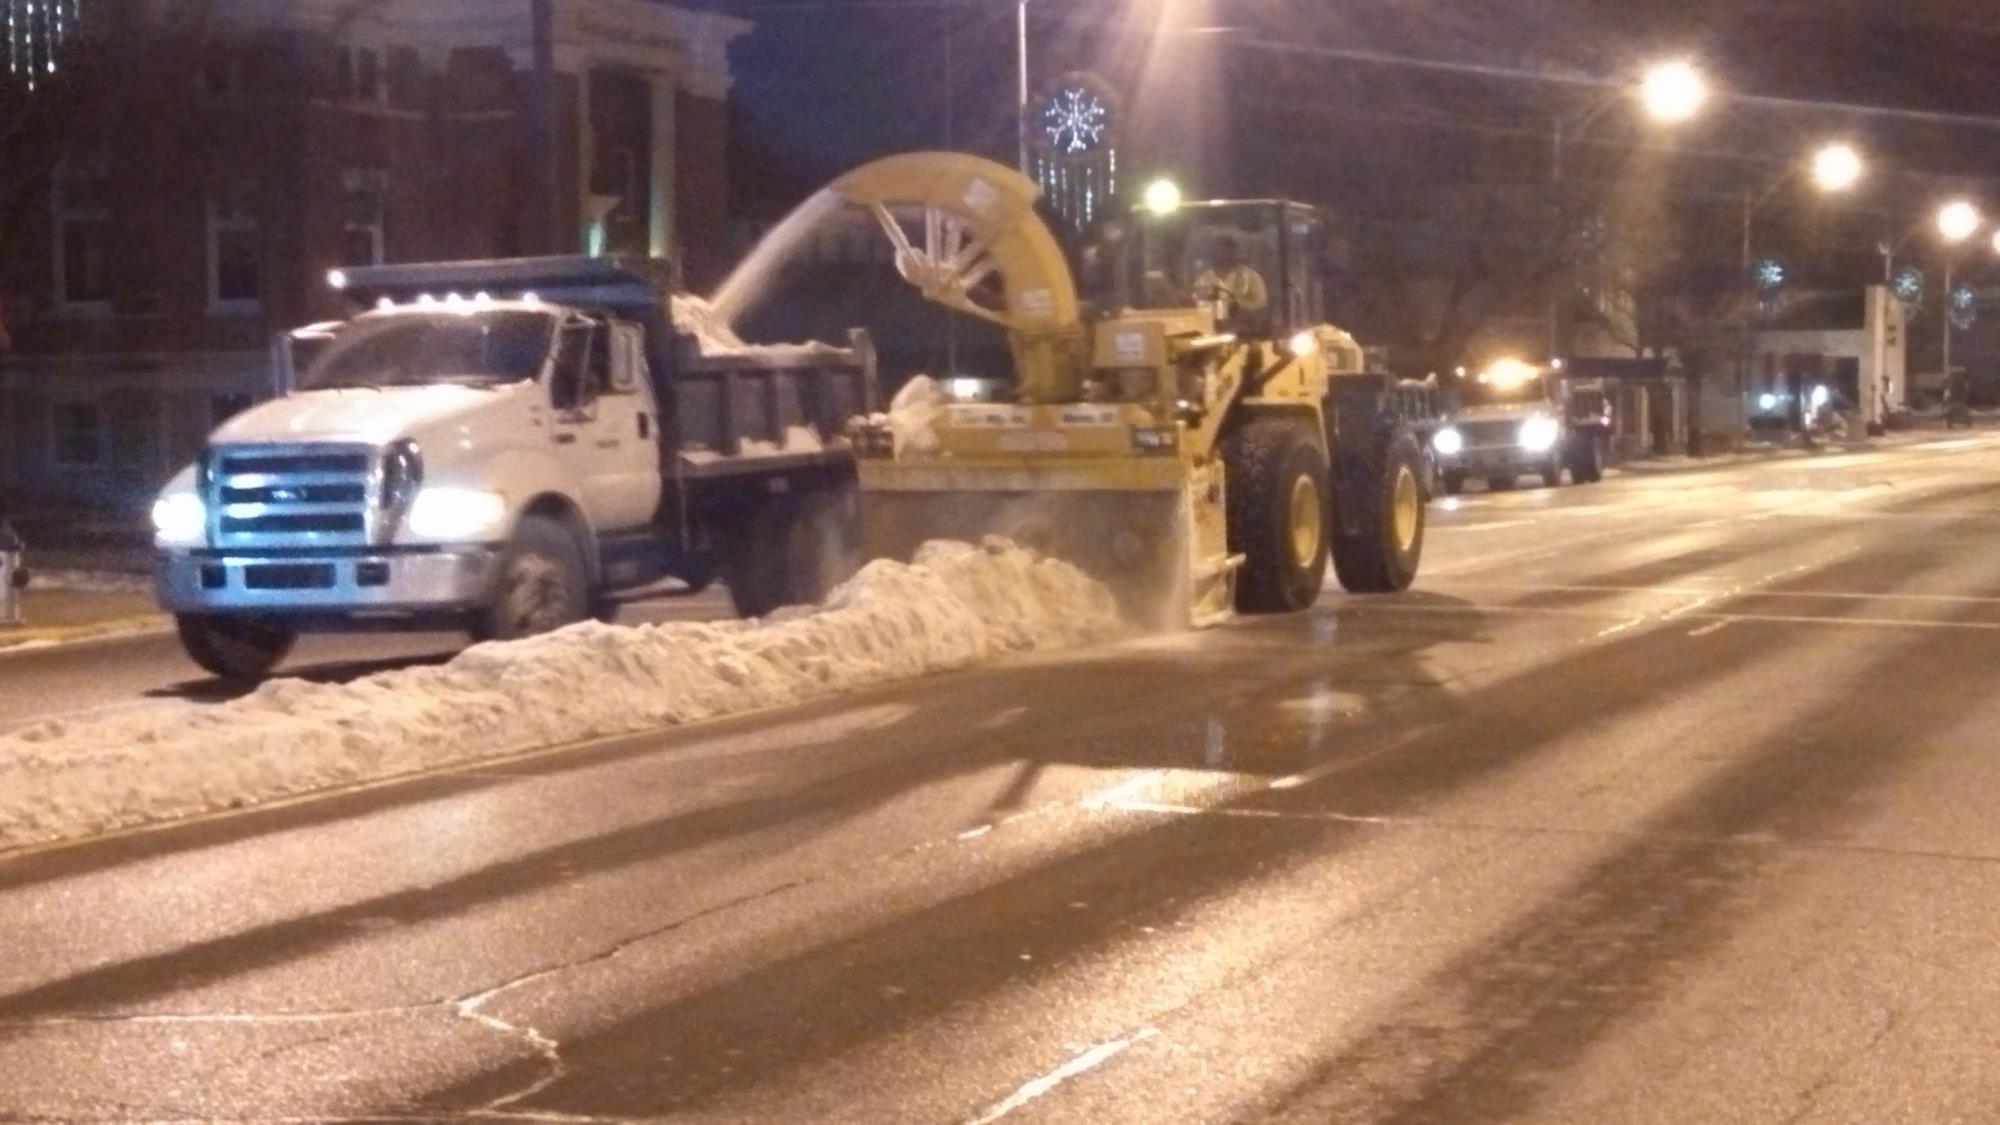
x=180, y=519
x=1539, y=435
x=457, y=515
x=1448, y=441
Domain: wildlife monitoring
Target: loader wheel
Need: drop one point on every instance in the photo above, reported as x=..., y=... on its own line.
x=543, y=585
x=1499, y=484
x=1552, y=474
x=1381, y=536
x=240, y=648
x=1277, y=506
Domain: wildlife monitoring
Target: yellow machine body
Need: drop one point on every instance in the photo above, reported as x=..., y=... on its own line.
x=1108, y=453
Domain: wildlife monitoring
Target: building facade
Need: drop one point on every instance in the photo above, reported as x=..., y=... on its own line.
x=229, y=153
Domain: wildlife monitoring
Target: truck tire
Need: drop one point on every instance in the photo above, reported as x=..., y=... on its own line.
x=1552, y=473
x=1499, y=483
x=793, y=549
x=239, y=648
x=1277, y=500
x=1380, y=540
x=1454, y=481
x=543, y=584
x=1587, y=460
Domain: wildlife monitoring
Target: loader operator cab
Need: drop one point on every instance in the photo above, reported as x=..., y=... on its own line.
x=1257, y=264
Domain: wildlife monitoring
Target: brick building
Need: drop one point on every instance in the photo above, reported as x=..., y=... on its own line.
x=228, y=153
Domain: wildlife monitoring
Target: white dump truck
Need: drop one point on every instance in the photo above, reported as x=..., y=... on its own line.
x=504, y=447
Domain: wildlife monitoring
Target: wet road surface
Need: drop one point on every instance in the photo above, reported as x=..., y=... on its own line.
x=1669, y=799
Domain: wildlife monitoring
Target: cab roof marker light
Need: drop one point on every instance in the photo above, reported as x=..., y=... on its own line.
x=531, y=298
x=336, y=279
x=385, y=303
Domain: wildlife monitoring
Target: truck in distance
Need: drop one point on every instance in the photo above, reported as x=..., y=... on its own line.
x=1514, y=418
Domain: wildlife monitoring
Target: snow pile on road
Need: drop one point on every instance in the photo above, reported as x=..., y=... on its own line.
x=90, y=581
x=956, y=605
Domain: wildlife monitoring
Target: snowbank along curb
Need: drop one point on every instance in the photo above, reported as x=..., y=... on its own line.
x=956, y=605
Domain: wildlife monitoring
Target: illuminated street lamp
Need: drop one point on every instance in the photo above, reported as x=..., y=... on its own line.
x=1163, y=197
x=1836, y=167
x=1670, y=92
x=1956, y=221
x=1673, y=91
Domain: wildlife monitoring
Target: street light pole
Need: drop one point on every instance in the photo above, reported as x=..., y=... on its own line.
x=1021, y=60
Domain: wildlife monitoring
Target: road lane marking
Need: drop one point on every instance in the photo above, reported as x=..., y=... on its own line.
x=1762, y=618
x=1112, y=794
x=1706, y=630
x=1087, y=1061
x=1621, y=627
x=1686, y=591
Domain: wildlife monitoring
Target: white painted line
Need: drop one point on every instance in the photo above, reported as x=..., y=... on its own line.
x=1113, y=794
x=1621, y=627
x=1089, y=1060
x=1716, y=627
x=1766, y=618
x=1684, y=591
x=1469, y=528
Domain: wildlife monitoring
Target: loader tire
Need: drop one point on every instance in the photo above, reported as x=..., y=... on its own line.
x=544, y=584
x=238, y=648
x=1277, y=491
x=1379, y=539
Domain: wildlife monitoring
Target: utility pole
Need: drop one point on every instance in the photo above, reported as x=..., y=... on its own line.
x=1021, y=60
x=542, y=107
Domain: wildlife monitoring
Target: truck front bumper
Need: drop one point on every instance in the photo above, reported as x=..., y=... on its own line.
x=1497, y=461
x=384, y=582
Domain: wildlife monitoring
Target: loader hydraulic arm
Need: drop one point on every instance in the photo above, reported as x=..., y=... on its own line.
x=967, y=236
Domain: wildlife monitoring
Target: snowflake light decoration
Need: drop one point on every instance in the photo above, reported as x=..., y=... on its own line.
x=1908, y=286
x=1964, y=307
x=1075, y=120
x=1769, y=274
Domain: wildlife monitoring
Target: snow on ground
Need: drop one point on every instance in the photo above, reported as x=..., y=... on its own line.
x=89, y=581
x=955, y=606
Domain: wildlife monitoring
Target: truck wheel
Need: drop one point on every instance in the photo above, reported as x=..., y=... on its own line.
x=1587, y=466
x=1381, y=537
x=1552, y=474
x=240, y=648
x=1454, y=482
x=542, y=585
x=1499, y=484
x=824, y=542
x=757, y=564
x=1276, y=491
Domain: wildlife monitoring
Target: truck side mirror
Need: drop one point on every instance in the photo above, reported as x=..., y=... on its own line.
x=569, y=383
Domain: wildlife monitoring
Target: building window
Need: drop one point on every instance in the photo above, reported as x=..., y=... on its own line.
x=364, y=204
x=405, y=77
x=223, y=407
x=76, y=432
x=233, y=258
x=83, y=242
x=358, y=75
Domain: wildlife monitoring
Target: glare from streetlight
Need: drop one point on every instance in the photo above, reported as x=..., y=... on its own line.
x=1163, y=197
x=1836, y=167
x=1957, y=220
x=1996, y=242
x=1673, y=91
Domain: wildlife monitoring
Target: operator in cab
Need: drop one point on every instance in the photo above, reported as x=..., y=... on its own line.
x=1237, y=285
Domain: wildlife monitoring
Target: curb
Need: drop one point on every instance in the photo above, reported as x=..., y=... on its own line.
x=13, y=639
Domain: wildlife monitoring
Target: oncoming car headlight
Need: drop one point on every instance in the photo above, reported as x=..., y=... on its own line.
x=1448, y=441
x=1539, y=434
x=457, y=515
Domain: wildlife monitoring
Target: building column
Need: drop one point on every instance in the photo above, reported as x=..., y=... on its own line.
x=660, y=226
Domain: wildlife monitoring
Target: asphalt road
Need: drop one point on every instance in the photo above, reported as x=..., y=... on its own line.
x=1670, y=799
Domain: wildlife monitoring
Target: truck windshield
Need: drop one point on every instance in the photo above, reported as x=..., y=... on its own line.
x=418, y=349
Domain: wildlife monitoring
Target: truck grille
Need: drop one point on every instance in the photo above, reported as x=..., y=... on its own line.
x=293, y=496
x=1489, y=434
